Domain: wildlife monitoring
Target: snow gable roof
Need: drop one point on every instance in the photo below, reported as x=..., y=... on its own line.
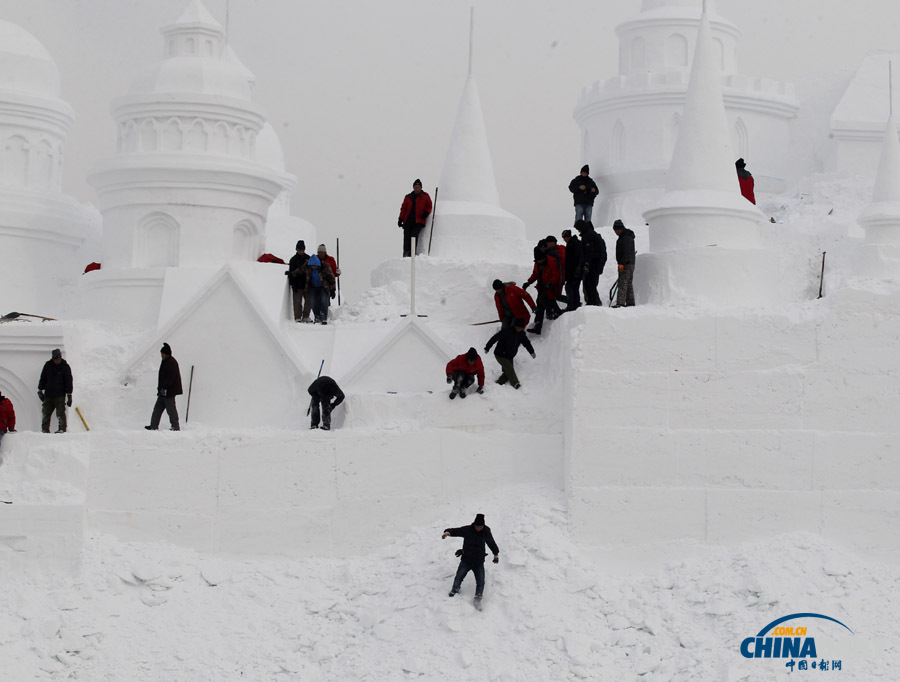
x=865, y=104
x=410, y=359
x=239, y=353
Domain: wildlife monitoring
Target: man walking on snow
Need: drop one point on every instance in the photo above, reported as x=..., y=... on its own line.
x=461, y=372
x=55, y=391
x=471, y=556
x=626, y=259
x=167, y=387
x=511, y=301
x=508, y=340
x=584, y=191
x=413, y=213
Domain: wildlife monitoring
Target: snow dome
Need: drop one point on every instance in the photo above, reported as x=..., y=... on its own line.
x=25, y=66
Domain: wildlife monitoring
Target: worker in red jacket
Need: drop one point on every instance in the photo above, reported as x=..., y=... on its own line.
x=413, y=213
x=746, y=181
x=558, y=251
x=322, y=253
x=7, y=416
x=510, y=301
x=549, y=285
x=461, y=372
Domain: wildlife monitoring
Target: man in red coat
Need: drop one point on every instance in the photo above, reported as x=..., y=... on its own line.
x=461, y=372
x=549, y=285
x=413, y=213
x=510, y=301
x=746, y=181
x=7, y=416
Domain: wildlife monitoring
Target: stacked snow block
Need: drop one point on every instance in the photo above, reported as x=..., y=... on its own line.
x=720, y=428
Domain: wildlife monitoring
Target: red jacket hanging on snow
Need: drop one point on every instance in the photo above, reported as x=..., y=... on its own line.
x=746, y=181
x=8, y=414
x=516, y=298
x=461, y=364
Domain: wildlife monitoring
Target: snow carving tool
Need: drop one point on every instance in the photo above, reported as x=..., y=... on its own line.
x=321, y=365
x=81, y=417
x=433, y=217
x=338, y=261
x=612, y=291
x=822, y=275
x=14, y=316
x=479, y=324
x=187, y=413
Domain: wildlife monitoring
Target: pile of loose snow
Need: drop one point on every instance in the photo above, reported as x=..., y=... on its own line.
x=154, y=612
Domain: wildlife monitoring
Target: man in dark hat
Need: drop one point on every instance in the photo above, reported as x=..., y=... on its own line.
x=508, y=340
x=549, y=285
x=746, y=181
x=513, y=303
x=471, y=556
x=593, y=260
x=625, y=258
x=167, y=387
x=461, y=372
x=325, y=395
x=413, y=213
x=296, y=273
x=55, y=391
x=7, y=416
x=584, y=191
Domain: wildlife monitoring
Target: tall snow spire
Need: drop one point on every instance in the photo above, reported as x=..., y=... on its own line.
x=703, y=159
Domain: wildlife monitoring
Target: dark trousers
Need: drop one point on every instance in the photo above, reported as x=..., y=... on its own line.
x=319, y=298
x=572, y=295
x=589, y=283
x=325, y=407
x=410, y=231
x=462, y=380
x=168, y=404
x=58, y=403
x=509, y=371
x=545, y=306
x=301, y=304
x=625, y=293
x=463, y=571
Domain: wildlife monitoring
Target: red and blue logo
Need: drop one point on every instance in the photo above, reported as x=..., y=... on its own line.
x=776, y=640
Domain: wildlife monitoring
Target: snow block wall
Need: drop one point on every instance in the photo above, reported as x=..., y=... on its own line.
x=722, y=428
x=309, y=494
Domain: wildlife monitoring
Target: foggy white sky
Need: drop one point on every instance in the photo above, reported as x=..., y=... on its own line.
x=364, y=93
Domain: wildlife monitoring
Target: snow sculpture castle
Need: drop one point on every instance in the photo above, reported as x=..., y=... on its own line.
x=40, y=227
x=630, y=122
x=185, y=190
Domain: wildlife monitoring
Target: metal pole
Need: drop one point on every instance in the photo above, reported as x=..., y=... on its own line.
x=822, y=275
x=412, y=279
x=433, y=218
x=187, y=414
x=471, y=35
x=338, y=260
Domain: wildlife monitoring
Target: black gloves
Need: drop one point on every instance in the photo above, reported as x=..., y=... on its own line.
x=496, y=560
x=399, y=222
x=41, y=396
x=13, y=431
x=449, y=379
x=332, y=295
x=287, y=273
x=69, y=400
x=162, y=393
x=459, y=552
x=480, y=389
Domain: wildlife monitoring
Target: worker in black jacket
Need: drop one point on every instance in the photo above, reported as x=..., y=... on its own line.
x=625, y=258
x=593, y=260
x=168, y=385
x=584, y=191
x=326, y=395
x=508, y=340
x=296, y=274
x=573, y=276
x=55, y=391
x=471, y=556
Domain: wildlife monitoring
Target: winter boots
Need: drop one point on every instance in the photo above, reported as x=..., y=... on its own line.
x=452, y=593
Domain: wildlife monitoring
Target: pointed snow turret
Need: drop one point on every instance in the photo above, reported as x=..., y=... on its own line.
x=468, y=173
x=197, y=14
x=880, y=255
x=702, y=216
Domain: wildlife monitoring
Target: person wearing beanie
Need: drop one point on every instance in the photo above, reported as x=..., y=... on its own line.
x=55, y=391
x=471, y=556
x=322, y=253
x=746, y=181
x=296, y=274
x=625, y=258
x=573, y=276
x=461, y=372
x=413, y=213
x=325, y=395
x=584, y=191
x=168, y=386
x=7, y=416
x=508, y=340
x=320, y=287
x=593, y=260
x=512, y=303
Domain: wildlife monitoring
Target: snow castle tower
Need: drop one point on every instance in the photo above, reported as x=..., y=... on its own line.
x=185, y=190
x=879, y=256
x=40, y=227
x=630, y=122
x=705, y=238
x=468, y=210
